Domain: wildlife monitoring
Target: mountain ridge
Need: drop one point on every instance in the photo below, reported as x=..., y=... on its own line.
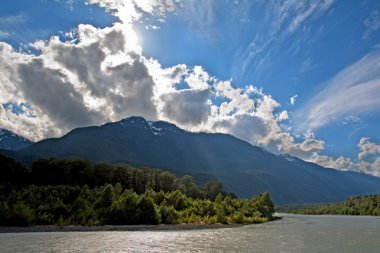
x=242, y=168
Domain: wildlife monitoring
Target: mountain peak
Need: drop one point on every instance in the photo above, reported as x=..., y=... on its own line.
x=134, y=120
x=12, y=141
x=166, y=126
x=156, y=127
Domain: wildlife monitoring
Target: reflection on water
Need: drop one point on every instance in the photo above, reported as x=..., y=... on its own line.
x=294, y=233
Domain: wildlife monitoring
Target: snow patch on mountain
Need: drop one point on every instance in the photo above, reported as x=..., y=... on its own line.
x=12, y=141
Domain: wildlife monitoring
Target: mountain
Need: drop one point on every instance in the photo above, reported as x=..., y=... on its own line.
x=12, y=141
x=242, y=168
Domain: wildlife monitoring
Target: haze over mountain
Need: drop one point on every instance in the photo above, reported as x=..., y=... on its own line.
x=12, y=141
x=242, y=168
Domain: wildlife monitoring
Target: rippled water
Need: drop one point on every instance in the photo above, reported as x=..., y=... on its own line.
x=294, y=233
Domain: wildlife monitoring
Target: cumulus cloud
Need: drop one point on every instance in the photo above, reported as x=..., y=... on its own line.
x=244, y=126
x=186, y=107
x=340, y=163
x=198, y=79
x=47, y=88
x=367, y=148
x=283, y=116
x=131, y=10
x=368, y=159
x=100, y=77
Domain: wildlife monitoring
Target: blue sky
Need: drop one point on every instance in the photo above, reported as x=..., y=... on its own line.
x=298, y=77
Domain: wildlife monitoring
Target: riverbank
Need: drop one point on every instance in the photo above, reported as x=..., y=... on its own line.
x=295, y=233
x=73, y=228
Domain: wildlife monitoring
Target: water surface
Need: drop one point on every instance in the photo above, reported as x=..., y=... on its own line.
x=294, y=233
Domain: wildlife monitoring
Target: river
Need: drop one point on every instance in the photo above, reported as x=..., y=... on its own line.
x=294, y=233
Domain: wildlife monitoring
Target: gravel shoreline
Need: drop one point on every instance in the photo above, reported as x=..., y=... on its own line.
x=73, y=228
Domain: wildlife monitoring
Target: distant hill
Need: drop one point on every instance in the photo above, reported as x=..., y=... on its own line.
x=242, y=168
x=356, y=205
x=12, y=141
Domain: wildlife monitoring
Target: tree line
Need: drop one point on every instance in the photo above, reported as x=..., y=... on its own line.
x=357, y=205
x=73, y=191
x=53, y=171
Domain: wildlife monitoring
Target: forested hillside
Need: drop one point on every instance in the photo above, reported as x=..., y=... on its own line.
x=56, y=191
x=357, y=205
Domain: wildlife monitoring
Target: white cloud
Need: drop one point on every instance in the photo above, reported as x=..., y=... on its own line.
x=305, y=10
x=200, y=15
x=237, y=101
x=284, y=18
x=309, y=134
x=354, y=122
x=152, y=27
x=352, y=119
x=367, y=148
x=198, y=79
x=67, y=3
x=4, y=34
x=301, y=17
x=13, y=19
x=248, y=127
x=12, y=26
x=368, y=159
x=131, y=10
x=341, y=163
x=307, y=65
x=100, y=77
x=186, y=107
x=293, y=100
x=103, y=76
x=372, y=23
x=76, y=84
x=312, y=145
x=283, y=116
x=354, y=90
x=166, y=78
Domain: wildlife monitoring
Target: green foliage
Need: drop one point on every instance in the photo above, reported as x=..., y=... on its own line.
x=73, y=191
x=147, y=211
x=221, y=217
x=53, y=171
x=168, y=214
x=19, y=214
x=177, y=199
x=124, y=210
x=12, y=172
x=213, y=189
x=265, y=203
x=238, y=217
x=65, y=204
x=358, y=205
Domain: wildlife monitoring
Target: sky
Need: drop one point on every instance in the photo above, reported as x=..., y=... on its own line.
x=293, y=77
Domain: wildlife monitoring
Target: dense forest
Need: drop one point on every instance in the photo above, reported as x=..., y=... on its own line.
x=358, y=205
x=74, y=191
